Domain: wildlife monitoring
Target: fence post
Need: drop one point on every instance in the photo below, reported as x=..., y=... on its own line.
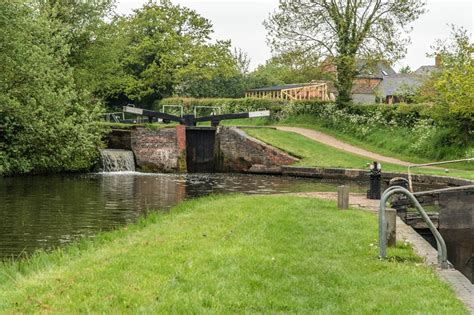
x=343, y=197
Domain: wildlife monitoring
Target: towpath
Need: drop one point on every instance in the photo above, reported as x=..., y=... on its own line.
x=333, y=142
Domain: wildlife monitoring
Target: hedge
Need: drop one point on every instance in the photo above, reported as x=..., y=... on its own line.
x=400, y=114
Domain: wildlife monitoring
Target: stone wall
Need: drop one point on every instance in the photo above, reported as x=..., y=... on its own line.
x=159, y=150
x=119, y=139
x=238, y=152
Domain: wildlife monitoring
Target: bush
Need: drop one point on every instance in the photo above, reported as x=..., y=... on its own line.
x=227, y=105
x=44, y=125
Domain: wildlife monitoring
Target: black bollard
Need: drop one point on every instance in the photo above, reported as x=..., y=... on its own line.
x=375, y=181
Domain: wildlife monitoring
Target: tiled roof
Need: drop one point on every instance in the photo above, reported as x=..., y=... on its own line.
x=380, y=69
x=424, y=70
x=392, y=85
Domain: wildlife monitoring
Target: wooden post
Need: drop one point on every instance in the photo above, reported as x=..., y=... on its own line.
x=343, y=197
x=391, y=217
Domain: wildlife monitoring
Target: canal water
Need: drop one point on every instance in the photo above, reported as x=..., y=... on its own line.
x=43, y=212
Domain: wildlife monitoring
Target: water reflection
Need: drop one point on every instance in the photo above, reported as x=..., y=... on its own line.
x=48, y=211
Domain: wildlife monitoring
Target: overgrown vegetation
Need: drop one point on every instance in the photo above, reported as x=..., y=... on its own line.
x=231, y=254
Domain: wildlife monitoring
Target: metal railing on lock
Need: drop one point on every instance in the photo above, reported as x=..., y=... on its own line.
x=410, y=182
x=113, y=117
x=440, y=244
x=215, y=110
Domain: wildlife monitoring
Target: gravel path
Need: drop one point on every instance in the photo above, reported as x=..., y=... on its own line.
x=333, y=142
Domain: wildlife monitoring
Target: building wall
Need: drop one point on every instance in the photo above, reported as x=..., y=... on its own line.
x=363, y=98
x=366, y=82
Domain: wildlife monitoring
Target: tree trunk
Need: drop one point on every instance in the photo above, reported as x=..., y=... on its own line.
x=346, y=70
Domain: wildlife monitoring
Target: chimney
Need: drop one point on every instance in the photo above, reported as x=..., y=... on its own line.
x=438, y=61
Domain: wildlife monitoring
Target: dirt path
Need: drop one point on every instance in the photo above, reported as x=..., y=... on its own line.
x=333, y=142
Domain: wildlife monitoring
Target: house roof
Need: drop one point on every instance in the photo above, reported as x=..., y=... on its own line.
x=379, y=70
x=392, y=85
x=424, y=70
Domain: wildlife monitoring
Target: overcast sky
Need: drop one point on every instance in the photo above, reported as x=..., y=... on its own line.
x=241, y=22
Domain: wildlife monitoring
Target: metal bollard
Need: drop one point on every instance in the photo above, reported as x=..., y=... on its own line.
x=375, y=181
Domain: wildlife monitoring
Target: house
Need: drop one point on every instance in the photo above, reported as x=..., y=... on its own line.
x=319, y=90
x=398, y=87
x=391, y=87
x=374, y=82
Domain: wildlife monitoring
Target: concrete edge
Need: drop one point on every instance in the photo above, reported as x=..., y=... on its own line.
x=359, y=174
x=462, y=287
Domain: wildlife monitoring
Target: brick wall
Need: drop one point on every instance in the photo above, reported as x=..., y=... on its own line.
x=160, y=150
x=239, y=152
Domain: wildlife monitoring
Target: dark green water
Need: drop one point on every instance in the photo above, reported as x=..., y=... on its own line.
x=43, y=212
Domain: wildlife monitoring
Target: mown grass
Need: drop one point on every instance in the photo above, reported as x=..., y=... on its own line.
x=316, y=154
x=231, y=254
x=383, y=141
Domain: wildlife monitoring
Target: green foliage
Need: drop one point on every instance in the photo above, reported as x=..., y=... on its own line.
x=46, y=128
x=451, y=88
x=227, y=105
x=167, y=50
x=286, y=68
x=344, y=31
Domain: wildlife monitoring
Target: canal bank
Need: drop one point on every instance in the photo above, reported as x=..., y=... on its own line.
x=231, y=254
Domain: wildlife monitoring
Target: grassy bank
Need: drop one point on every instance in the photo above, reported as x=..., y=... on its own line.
x=315, y=154
x=232, y=254
x=376, y=141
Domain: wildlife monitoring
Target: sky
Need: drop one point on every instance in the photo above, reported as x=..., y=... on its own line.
x=241, y=22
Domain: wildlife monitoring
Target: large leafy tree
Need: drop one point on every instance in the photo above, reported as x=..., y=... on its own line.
x=294, y=66
x=168, y=49
x=90, y=41
x=344, y=30
x=451, y=87
x=45, y=127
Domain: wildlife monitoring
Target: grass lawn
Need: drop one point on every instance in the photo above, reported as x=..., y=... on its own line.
x=313, y=153
x=231, y=254
x=377, y=143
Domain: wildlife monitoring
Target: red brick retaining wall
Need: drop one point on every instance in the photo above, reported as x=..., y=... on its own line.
x=239, y=152
x=160, y=150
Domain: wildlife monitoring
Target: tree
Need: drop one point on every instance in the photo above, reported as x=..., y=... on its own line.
x=45, y=127
x=83, y=26
x=242, y=60
x=405, y=70
x=168, y=49
x=451, y=88
x=344, y=31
